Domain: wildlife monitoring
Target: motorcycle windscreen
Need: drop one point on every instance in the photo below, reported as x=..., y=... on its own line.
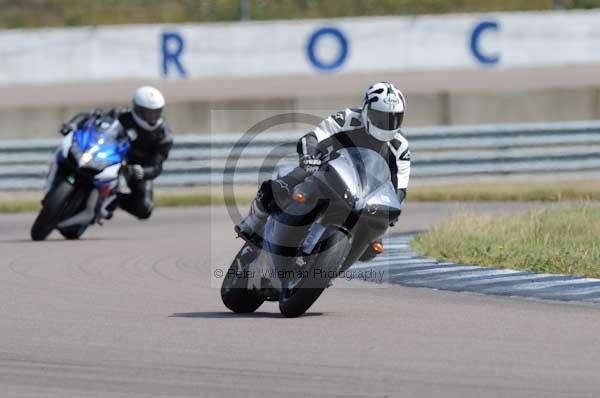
x=362, y=170
x=99, y=132
x=102, y=141
x=383, y=199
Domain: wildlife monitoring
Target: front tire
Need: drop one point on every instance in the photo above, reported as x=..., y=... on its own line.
x=234, y=291
x=330, y=254
x=54, y=203
x=299, y=302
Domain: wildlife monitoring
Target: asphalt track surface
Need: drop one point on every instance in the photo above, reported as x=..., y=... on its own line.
x=129, y=312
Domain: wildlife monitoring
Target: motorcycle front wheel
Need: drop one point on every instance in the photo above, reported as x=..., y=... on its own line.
x=53, y=205
x=328, y=256
x=234, y=291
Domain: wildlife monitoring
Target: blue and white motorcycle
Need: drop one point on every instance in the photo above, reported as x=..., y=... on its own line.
x=84, y=178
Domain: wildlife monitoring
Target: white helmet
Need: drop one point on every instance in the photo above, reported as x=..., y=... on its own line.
x=383, y=111
x=148, y=104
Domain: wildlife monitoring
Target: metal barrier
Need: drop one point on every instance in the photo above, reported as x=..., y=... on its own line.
x=453, y=152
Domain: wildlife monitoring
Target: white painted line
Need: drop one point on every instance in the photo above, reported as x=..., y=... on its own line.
x=475, y=277
x=483, y=273
x=508, y=280
x=432, y=271
x=574, y=292
x=409, y=262
x=542, y=285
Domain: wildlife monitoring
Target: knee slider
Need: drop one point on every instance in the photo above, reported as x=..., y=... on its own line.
x=145, y=211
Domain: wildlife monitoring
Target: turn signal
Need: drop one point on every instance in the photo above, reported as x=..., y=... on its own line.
x=377, y=247
x=299, y=197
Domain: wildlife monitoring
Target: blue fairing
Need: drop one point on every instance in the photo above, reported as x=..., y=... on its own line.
x=106, y=146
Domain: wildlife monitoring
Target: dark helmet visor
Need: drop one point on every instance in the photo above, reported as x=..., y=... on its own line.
x=385, y=120
x=151, y=116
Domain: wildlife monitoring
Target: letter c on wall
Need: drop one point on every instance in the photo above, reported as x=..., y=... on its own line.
x=476, y=50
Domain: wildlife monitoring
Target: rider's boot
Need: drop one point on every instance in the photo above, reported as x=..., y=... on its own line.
x=109, y=207
x=272, y=195
x=252, y=227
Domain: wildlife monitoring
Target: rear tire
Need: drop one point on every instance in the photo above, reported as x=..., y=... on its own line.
x=234, y=290
x=53, y=206
x=72, y=233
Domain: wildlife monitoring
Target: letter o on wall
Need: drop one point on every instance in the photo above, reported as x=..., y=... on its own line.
x=313, y=40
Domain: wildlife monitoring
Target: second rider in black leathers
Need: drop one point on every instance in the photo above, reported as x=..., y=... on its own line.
x=151, y=141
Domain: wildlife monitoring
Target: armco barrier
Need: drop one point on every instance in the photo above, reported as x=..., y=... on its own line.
x=438, y=153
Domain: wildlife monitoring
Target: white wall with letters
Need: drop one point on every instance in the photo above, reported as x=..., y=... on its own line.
x=299, y=48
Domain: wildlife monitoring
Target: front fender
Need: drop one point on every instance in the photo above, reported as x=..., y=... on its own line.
x=326, y=259
x=330, y=238
x=109, y=173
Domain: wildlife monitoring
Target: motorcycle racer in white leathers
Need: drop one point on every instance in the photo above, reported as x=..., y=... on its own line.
x=377, y=126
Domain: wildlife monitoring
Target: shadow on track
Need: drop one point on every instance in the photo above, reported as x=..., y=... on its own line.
x=58, y=240
x=225, y=315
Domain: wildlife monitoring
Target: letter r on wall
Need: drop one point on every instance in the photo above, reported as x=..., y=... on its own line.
x=172, y=47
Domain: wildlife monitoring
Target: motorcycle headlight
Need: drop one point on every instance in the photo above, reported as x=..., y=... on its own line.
x=93, y=163
x=85, y=158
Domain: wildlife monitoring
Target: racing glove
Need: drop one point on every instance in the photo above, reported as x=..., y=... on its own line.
x=135, y=172
x=310, y=163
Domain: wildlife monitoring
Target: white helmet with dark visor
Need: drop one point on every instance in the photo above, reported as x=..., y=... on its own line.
x=148, y=105
x=383, y=111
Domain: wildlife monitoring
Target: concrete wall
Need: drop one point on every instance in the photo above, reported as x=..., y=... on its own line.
x=454, y=69
x=537, y=106
x=299, y=48
x=423, y=110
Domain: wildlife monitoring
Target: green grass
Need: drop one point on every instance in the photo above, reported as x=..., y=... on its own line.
x=509, y=191
x=559, y=239
x=200, y=199
x=40, y=13
x=18, y=203
x=522, y=192
x=19, y=206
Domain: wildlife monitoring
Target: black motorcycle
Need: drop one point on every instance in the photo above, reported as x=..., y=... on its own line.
x=333, y=218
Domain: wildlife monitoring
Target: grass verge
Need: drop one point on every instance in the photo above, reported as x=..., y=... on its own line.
x=584, y=190
x=36, y=13
x=201, y=199
x=560, y=239
x=18, y=203
x=578, y=190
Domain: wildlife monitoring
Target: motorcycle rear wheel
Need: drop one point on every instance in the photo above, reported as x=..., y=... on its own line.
x=72, y=233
